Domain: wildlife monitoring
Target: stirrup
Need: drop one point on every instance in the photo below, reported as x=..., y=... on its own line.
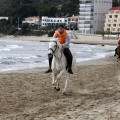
x=49, y=70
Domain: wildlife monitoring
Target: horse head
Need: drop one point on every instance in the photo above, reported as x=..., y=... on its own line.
x=54, y=45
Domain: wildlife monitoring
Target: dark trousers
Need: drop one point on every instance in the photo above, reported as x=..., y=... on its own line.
x=68, y=56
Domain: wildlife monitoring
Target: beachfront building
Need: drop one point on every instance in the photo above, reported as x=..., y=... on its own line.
x=92, y=15
x=73, y=22
x=51, y=21
x=112, y=21
x=32, y=20
x=4, y=18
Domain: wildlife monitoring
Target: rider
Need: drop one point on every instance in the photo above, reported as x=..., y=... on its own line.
x=117, y=46
x=119, y=41
x=64, y=39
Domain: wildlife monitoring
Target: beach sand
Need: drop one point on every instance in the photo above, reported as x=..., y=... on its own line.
x=45, y=38
x=93, y=93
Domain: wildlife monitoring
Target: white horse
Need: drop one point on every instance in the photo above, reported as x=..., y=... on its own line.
x=58, y=64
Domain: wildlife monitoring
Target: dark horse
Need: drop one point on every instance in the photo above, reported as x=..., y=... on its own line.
x=117, y=52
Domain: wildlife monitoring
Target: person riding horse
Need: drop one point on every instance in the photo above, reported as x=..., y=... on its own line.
x=64, y=39
x=117, y=51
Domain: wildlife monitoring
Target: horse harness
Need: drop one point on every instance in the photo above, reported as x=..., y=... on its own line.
x=56, y=48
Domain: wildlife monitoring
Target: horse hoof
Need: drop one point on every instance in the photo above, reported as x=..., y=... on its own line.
x=57, y=89
x=64, y=93
x=54, y=87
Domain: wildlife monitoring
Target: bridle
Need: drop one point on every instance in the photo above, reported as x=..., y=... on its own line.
x=56, y=48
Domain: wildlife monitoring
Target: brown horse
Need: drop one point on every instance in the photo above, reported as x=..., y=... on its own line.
x=117, y=52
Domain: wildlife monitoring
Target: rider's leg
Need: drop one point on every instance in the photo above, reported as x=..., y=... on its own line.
x=50, y=63
x=116, y=51
x=69, y=57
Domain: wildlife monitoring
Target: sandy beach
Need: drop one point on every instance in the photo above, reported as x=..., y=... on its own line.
x=93, y=93
x=45, y=38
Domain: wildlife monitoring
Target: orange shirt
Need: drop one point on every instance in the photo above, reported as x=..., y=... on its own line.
x=61, y=37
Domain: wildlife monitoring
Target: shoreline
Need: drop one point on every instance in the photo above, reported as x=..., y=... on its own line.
x=45, y=38
x=30, y=38
x=97, y=61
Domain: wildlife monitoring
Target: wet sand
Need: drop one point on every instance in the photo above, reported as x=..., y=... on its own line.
x=93, y=93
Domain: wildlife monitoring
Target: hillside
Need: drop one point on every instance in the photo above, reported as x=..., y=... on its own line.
x=38, y=7
x=51, y=8
x=41, y=7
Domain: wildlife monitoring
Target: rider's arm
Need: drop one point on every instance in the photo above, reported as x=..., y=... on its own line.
x=67, y=42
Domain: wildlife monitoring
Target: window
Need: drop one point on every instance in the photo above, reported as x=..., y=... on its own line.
x=109, y=25
x=116, y=16
x=114, y=25
x=110, y=16
x=115, y=20
x=113, y=29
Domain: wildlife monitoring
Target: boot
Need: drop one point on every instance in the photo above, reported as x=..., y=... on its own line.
x=70, y=70
x=50, y=62
x=49, y=70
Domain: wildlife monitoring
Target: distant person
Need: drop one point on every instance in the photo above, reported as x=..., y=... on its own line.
x=63, y=37
x=116, y=49
x=119, y=41
x=118, y=36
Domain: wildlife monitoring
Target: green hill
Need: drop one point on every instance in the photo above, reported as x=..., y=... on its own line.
x=51, y=8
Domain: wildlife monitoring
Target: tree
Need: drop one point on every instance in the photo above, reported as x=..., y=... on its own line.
x=70, y=8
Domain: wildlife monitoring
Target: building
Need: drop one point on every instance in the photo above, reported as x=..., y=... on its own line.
x=92, y=15
x=73, y=21
x=32, y=20
x=4, y=18
x=112, y=21
x=50, y=21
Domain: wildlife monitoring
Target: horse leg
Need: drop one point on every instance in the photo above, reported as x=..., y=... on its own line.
x=118, y=58
x=60, y=74
x=54, y=76
x=57, y=85
x=66, y=83
x=57, y=80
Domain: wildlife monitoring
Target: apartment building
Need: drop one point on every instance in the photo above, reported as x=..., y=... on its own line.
x=112, y=21
x=92, y=15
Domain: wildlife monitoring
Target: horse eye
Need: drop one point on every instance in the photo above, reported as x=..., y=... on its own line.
x=55, y=46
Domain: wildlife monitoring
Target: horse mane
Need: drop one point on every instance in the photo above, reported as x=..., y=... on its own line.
x=56, y=40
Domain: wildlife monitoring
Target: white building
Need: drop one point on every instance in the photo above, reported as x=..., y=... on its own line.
x=112, y=21
x=73, y=21
x=4, y=18
x=92, y=15
x=32, y=20
x=50, y=21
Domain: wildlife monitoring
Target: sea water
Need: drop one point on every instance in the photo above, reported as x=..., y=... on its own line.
x=18, y=55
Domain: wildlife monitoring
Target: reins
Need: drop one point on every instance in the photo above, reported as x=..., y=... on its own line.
x=57, y=47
